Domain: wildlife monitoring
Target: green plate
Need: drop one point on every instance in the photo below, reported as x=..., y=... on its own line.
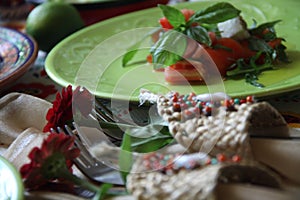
x=92, y=56
x=11, y=185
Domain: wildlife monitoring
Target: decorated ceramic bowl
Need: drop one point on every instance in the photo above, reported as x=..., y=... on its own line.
x=18, y=52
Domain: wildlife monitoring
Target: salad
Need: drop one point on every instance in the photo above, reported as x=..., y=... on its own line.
x=186, y=40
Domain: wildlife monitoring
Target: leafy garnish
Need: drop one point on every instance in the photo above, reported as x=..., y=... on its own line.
x=280, y=49
x=103, y=191
x=132, y=50
x=168, y=49
x=125, y=157
x=252, y=79
x=249, y=66
x=129, y=55
x=259, y=30
x=152, y=143
x=174, y=16
x=171, y=45
x=256, y=44
x=216, y=13
x=199, y=34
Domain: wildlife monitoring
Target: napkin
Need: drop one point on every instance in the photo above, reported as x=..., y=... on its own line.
x=19, y=112
x=22, y=119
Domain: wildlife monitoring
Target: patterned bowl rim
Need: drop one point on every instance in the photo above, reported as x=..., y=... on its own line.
x=25, y=65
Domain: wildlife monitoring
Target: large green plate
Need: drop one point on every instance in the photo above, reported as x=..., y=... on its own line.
x=92, y=56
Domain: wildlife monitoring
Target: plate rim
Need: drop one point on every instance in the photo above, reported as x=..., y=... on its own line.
x=17, y=177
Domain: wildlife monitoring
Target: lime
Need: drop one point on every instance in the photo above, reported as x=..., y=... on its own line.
x=51, y=21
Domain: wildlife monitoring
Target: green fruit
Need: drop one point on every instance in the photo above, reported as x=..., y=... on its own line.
x=50, y=22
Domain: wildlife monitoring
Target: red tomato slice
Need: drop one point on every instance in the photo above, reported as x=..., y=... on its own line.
x=181, y=73
x=234, y=47
x=165, y=23
x=187, y=13
x=274, y=43
x=221, y=59
x=247, y=52
x=228, y=51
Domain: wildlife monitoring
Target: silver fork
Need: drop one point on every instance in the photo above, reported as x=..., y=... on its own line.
x=103, y=114
x=89, y=166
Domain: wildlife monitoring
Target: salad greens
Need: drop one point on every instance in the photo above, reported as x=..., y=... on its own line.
x=172, y=43
x=210, y=16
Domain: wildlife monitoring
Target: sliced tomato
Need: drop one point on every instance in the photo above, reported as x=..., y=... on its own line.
x=274, y=43
x=234, y=47
x=181, y=73
x=221, y=58
x=224, y=53
x=149, y=58
x=164, y=22
x=247, y=52
x=187, y=13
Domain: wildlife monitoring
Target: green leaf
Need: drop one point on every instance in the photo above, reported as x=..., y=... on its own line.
x=125, y=157
x=258, y=30
x=216, y=13
x=168, y=49
x=174, y=16
x=256, y=44
x=282, y=56
x=103, y=191
x=128, y=56
x=134, y=49
x=253, y=80
x=199, y=34
x=151, y=137
x=152, y=143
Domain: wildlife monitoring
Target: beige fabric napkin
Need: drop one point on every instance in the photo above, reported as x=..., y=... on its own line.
x=22, y=119
x=19, y=112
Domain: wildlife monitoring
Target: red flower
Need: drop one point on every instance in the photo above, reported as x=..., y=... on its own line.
x=62, y=112
x=52, y=162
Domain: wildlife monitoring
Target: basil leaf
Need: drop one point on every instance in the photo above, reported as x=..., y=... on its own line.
x=134, y=48
x=256, y=44
x=174, y=16
x=129, y=55
x=103, y=191
x=216, y=13
x=282, y=56
x=150, y=138
x=252, y=79
x=169, y=49
x=153, y=143
x=125, y=157
x=258, y=30
x=269, y=36
x=199, y=34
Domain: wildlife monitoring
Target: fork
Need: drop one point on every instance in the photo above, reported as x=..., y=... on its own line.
x=104, y=115
x=89, y=166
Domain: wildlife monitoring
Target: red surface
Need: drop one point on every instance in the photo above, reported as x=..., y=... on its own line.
x=91, y=16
